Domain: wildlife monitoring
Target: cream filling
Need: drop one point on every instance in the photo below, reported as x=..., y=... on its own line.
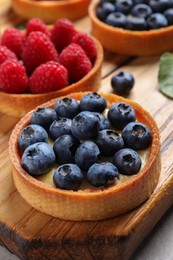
x=48, y=177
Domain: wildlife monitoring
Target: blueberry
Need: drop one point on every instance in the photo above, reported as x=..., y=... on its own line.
x=124, y=6
x=60, y=127
x=103, y=10
x=136, y=23
x=101, y=174
x=136, y=135
x=159, y=6
x=93, y=102
x=122, y=82
x=127, y=161
x=103, y=121
x=43, y=116
x=156, y=21
x=32, y=134
x=141, y=1
x=85, y=125
x=116, y=19
x=67, y=107
x=87, y=154
x=38, y=158
x=169, y=16
x=109, y=141
x=68, y=177
x=120, y=114
x=65, y=148
x=107, y=1
x=141, y=10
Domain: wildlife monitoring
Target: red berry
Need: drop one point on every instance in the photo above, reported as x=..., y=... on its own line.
x=38, y=49
x=14, y=40
x=13, y=78
x=87, y=44
x=35, y=24
x=6, y=54
x=48, y=77
x=75, y=60
x=62, y=34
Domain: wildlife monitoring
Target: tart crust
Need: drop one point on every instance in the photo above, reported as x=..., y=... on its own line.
x=18, y=105
x=97, y=204
x=138, y=43
x=50, y=11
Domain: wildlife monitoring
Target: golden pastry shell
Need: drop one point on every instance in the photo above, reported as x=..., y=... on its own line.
x=97, y=204
x=136, y=43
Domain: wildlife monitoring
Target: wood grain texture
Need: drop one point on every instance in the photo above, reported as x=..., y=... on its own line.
x=33, y=235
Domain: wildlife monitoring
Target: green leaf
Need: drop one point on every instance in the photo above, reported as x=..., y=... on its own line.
x=165, y=76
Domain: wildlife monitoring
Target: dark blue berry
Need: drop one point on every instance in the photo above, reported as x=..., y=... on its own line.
x=169, y=16
x=101, y=174
x=107, y=1
x=67, y=107
x=122, y=82
x=136, y=23
x=60, y=127
x=109, y=141
x=65, y=148
x=159, y=6
x=103, y=121
x=32, y=134
x=141, y=1
x=85, y=125
x=38, y=159
x=116, y=19
x=43, y=116
x=103, y=10
x=93, y=102
x=127, y=161
x=120, y=114
x=137, y=136
x=68, y=177
x=87, y=154
x=156, y=21
x=124, y=6
x=141, y=10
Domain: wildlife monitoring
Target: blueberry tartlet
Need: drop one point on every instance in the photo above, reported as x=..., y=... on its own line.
x=133, y=27
x=50, y=11
x=86, y=156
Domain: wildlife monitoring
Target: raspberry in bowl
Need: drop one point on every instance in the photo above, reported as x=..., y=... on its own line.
x=88, y=170
x=39, y=64
x=50, y=11
x=140, y=28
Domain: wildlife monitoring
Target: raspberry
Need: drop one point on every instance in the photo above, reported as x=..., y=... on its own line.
x=38, y=49
x=13, y=78
x=62, y=34
x=6, y=54
x=75, y=60
x=48, y=77
x=87, y=44
x=14, y=40
x=35, y=24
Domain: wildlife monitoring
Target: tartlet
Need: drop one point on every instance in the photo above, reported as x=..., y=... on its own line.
x=89, y=204
x=19, y=104
x=136, y=43
x=50, y=11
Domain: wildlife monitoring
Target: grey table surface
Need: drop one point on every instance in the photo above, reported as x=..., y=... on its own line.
x=158, y=245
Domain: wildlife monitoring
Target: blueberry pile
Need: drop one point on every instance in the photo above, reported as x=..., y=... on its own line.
x=86, y=142
x=136, y=15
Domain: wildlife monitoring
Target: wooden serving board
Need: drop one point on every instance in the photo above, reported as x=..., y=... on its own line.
x=30, y=234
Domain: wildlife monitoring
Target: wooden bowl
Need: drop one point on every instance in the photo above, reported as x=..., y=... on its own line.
x=19, y=104
x=50, y=11
x=135, y=43
x=95, y=204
